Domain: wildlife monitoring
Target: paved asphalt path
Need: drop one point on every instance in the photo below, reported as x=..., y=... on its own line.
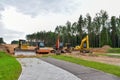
x=36, y=69
x=81, y=72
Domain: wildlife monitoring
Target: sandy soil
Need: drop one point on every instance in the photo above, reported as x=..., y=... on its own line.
x=103, y=59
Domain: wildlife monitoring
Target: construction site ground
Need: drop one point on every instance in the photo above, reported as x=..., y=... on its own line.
x=97, y=58
x=104, y=59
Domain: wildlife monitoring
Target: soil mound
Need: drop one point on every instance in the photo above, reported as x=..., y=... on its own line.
x=7, y=48
x=103, y=49
x=106, y=47
x=3, y=48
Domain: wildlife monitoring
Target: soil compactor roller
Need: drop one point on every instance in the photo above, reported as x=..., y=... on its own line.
x=41, y=49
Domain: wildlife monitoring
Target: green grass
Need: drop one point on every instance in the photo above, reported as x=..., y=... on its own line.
x=114, y=50
x=10, y=68
x=113, y=55
x=116, y=55
x=112, y=69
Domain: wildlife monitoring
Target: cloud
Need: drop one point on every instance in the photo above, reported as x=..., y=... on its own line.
x=25, y=23
x=94, y=6
x=8, y=34
x=1, y=6
x=28, y=16
x=35, y=7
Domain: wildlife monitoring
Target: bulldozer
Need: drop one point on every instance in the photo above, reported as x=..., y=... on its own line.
x=84, y=46
x=24, y=48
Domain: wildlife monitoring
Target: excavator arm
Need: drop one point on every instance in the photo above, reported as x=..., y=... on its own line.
x=84, y=40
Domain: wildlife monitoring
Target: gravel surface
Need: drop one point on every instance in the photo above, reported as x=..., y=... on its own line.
x=36, y=69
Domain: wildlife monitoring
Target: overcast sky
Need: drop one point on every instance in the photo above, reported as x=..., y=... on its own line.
x=21, y=17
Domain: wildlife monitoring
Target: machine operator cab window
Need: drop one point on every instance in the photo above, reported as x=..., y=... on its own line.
x=85, y=45
x=22, y=43
x=41, y=44
x=61, y=45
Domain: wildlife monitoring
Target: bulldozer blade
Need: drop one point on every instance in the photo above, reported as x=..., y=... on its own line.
x=25, y=52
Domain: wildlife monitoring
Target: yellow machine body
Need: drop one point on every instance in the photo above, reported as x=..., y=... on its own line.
x=81, y=46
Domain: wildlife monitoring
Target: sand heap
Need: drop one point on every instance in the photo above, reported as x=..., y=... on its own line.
x=103, y=49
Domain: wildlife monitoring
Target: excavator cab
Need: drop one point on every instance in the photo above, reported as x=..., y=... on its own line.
x=68, y=48
x=85, y=45
x=41, y=44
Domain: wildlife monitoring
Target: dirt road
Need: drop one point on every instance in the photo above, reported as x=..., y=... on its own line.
x=103, y=59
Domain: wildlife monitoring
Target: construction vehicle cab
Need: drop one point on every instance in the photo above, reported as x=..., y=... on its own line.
x=84, y=46
x=68, y=48
x=41, y=48
x=41, y=44
x=23, y=44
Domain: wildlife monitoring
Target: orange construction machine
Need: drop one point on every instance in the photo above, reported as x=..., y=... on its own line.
x=42, y=49
x=59, y=47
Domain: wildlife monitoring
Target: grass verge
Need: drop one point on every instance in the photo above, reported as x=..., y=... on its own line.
x=113, y=55
x=114, y=50
x=112, y=69
x=10, y=68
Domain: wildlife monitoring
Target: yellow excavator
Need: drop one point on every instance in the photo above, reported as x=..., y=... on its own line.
x=84, y=46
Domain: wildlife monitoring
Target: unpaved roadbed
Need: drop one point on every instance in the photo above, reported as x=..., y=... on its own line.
x=36, y=69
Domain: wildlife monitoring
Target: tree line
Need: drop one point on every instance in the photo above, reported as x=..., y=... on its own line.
x=102, y=30
x=1, y=41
